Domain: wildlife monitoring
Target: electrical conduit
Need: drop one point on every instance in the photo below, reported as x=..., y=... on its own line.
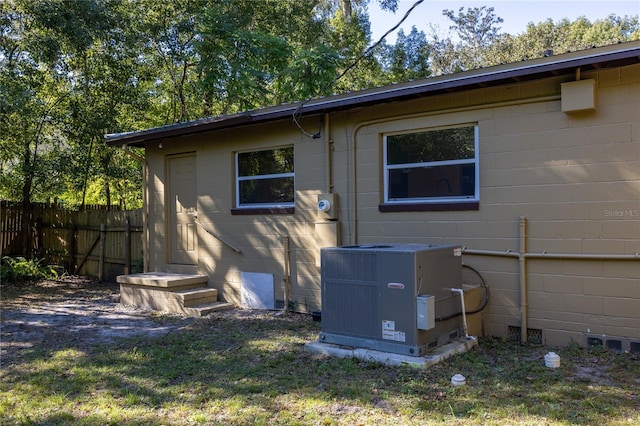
x=522, y=256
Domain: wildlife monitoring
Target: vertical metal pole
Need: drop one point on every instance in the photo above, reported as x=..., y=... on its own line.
x=523, y=280
x=287, y=275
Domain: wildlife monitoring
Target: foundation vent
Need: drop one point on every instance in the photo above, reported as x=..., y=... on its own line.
x=612, y=343
x=534, y=335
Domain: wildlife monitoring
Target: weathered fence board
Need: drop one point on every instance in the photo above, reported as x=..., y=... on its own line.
x=73, y=239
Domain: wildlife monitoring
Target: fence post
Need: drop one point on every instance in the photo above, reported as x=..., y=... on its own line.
x=26, y=231
x=127, y=245
x=73, y=250
x=38, y=250
x=103, y=237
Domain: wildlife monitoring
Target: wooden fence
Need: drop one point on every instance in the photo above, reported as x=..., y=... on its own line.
x=95, y=241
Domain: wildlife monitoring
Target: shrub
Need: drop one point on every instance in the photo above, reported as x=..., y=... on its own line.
x=19, y=269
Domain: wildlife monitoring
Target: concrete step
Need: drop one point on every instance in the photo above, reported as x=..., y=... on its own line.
x=170, y=292
x=207, y=308
x=165, y=280
x=195, y=296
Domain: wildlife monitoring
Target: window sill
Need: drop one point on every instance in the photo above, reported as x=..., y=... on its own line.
x=430, y=207
x=262, y=210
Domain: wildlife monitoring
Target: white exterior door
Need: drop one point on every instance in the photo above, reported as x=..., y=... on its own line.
x=183, y=236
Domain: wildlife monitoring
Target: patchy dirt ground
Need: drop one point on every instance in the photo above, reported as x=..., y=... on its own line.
x=74, y=310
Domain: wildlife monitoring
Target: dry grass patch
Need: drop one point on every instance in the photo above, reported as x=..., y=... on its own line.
x=251, y=368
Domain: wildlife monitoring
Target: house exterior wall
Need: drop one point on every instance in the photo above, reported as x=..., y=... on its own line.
x=575, y=177
x=259, y=237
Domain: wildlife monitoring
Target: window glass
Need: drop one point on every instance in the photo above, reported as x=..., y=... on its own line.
x=273, y=161
x=434, y=145
x=432, y=166
x=265, y=178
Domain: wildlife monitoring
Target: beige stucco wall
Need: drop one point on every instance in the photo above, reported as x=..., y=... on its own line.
x=575, y=177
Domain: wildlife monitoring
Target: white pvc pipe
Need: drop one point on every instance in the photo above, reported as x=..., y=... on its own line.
x=464, y=313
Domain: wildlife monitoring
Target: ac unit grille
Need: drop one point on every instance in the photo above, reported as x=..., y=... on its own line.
x=350, y=308
x=354, y=267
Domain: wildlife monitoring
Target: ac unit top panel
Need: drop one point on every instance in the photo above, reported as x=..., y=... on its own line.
x=398, y=248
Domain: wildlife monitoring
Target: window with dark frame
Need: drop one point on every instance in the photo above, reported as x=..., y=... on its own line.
x=265, y=178
x=432, y=166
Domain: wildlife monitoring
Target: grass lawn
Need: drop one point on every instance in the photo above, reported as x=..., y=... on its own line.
x=251, y=368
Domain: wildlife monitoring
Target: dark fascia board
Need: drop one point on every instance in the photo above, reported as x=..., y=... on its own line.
x=139, y=138
x=602, y=57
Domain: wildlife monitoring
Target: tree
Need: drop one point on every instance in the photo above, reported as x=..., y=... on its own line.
x=477, y=30
x=565, y=36
x=72, y=70
x=68, y=67
x=169, y=34
x=33, y=104
x=409, y=58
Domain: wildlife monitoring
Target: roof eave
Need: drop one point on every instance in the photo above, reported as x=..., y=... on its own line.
x=595, y=58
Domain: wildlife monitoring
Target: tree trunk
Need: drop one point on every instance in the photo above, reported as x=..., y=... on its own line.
x=346, y=9
x=27, y=171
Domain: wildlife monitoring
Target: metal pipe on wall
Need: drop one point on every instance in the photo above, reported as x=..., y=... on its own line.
x=582, y=256
x=551, y=256
x=329, y=152
x=496, y=253
x=356, y=129
x=522, y=256
x=524, y=304
x=287, y=275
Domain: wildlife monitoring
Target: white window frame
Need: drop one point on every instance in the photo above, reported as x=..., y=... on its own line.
x=261, y=177
x=433, y=200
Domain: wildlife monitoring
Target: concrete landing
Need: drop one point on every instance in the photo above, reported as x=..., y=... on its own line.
x=170, y=292
x=460, y=345
x=163, y=279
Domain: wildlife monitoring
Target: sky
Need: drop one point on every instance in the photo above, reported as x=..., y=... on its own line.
x=516, y=13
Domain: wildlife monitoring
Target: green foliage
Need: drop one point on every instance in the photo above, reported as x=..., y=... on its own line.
x=351, y=37
x=408, y=59
x=19, y=269
x=72, y=71
x=477, y=29
x=481, y=43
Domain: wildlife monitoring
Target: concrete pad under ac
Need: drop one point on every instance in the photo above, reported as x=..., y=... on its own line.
x=460, y=345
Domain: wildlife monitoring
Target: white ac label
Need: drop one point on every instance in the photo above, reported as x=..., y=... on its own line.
x=389, y=332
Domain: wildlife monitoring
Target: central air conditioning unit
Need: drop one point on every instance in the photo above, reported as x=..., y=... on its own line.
x=391, y=298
